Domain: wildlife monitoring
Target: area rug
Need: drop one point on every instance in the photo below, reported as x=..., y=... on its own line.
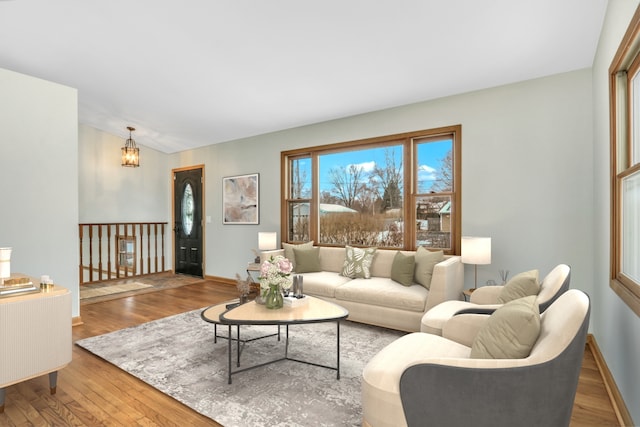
x=111, y=289
x=177, y=355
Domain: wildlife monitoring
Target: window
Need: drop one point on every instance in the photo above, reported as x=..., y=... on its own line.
x=187, y=210
x=399, y=191
x=625, y=167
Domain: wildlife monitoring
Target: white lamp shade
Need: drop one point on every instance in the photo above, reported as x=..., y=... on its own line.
x=267, y=241
x=476, y=250
x=5, y=263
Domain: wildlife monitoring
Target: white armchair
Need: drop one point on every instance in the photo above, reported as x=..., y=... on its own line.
x=485, y=300
x=424, y=379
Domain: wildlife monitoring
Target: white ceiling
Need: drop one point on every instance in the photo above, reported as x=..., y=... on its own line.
x=190, y=73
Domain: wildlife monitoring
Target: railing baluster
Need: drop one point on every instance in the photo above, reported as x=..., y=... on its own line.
x=108, y=251
x=141, y=268
x=81, y=268
x=161, y=226
x=91, y=253
x=99, y=252
x=155, y=227
x=132, y=235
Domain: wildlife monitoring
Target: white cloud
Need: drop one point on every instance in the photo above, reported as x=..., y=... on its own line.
x=365, y=167
x=426, y=173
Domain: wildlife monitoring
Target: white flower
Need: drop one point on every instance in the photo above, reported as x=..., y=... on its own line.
x=275, y=271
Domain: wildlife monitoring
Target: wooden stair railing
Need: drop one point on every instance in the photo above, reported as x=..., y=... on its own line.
x=115, y=250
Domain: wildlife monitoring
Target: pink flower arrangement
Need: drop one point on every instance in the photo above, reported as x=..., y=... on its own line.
x=275, y=271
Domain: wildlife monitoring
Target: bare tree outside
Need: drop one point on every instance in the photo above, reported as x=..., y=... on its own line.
x=389, y=176
x=444, y=175
x=300, y=183
x=346, y=183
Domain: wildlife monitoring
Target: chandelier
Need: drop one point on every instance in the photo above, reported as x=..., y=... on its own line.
x=130, y=153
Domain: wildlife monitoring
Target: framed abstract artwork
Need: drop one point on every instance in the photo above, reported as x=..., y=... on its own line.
x=240, y=199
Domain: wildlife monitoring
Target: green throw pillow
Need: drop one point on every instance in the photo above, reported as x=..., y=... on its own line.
x=288, y=251
x=426, y=260
x=307, y=259
x=521, y=285
x=510, y=332
x=357, y=262
x=402, y=268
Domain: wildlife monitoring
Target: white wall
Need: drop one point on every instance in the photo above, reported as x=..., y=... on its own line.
x=615, y=326
x=39, y=178
x=109, y=192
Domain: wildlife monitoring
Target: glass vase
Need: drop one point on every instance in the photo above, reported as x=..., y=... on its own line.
x=262, y=296
x=274, y=297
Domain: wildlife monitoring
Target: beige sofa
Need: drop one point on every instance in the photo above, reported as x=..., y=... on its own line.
x=380, y=300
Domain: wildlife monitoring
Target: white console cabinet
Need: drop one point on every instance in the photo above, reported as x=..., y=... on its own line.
x=35, y=337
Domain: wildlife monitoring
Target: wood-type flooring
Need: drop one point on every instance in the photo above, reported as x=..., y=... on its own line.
x=92, y=392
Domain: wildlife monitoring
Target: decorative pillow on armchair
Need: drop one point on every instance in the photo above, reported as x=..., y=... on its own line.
x=520, y=286
x=357, y=262
x=510, y=332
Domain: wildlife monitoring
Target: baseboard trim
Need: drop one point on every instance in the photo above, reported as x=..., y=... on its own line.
x=223, y=280
x=76, y=321
x=619, y=407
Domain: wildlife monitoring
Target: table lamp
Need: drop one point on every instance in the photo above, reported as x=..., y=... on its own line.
x=267, y=244
x=5, y=263
x=476, y=250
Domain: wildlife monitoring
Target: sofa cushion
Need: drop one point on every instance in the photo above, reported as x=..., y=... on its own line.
x=322, y=283
x=357, y=262
x=520, y=286
x=402, y=269
x=510, y=332
x=307, y=259
x=288, y=250
x=383, y=291
x=426, y=260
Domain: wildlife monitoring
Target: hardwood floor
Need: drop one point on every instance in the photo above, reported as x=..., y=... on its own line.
x=92, y=392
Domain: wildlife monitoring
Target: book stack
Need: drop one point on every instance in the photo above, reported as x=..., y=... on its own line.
x=293, y=301
x=18, y=285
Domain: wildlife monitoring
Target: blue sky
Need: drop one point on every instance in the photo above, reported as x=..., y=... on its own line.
x=429, y=156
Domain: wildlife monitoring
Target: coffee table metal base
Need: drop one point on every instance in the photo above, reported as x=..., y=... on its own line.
x=240, y=340
x=286, y=353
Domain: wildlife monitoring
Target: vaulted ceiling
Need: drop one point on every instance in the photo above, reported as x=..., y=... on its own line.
x=191, y=73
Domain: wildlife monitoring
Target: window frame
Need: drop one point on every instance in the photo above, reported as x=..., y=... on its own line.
x=625, y=64
x=408, y=141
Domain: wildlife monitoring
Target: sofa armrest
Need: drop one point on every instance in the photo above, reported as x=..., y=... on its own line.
x=447, y=282
x=486, y=295
x=265, y=255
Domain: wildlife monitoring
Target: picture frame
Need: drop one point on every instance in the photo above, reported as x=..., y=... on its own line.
x=241, y=199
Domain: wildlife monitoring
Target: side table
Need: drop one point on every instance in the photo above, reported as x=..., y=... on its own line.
x=467, y=293
x=35, y=337
x=253, y=268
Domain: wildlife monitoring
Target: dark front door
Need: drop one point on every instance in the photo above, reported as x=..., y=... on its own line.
x=187, y=205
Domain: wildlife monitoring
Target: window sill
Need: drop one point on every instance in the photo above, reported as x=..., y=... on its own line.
x=631, y=299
